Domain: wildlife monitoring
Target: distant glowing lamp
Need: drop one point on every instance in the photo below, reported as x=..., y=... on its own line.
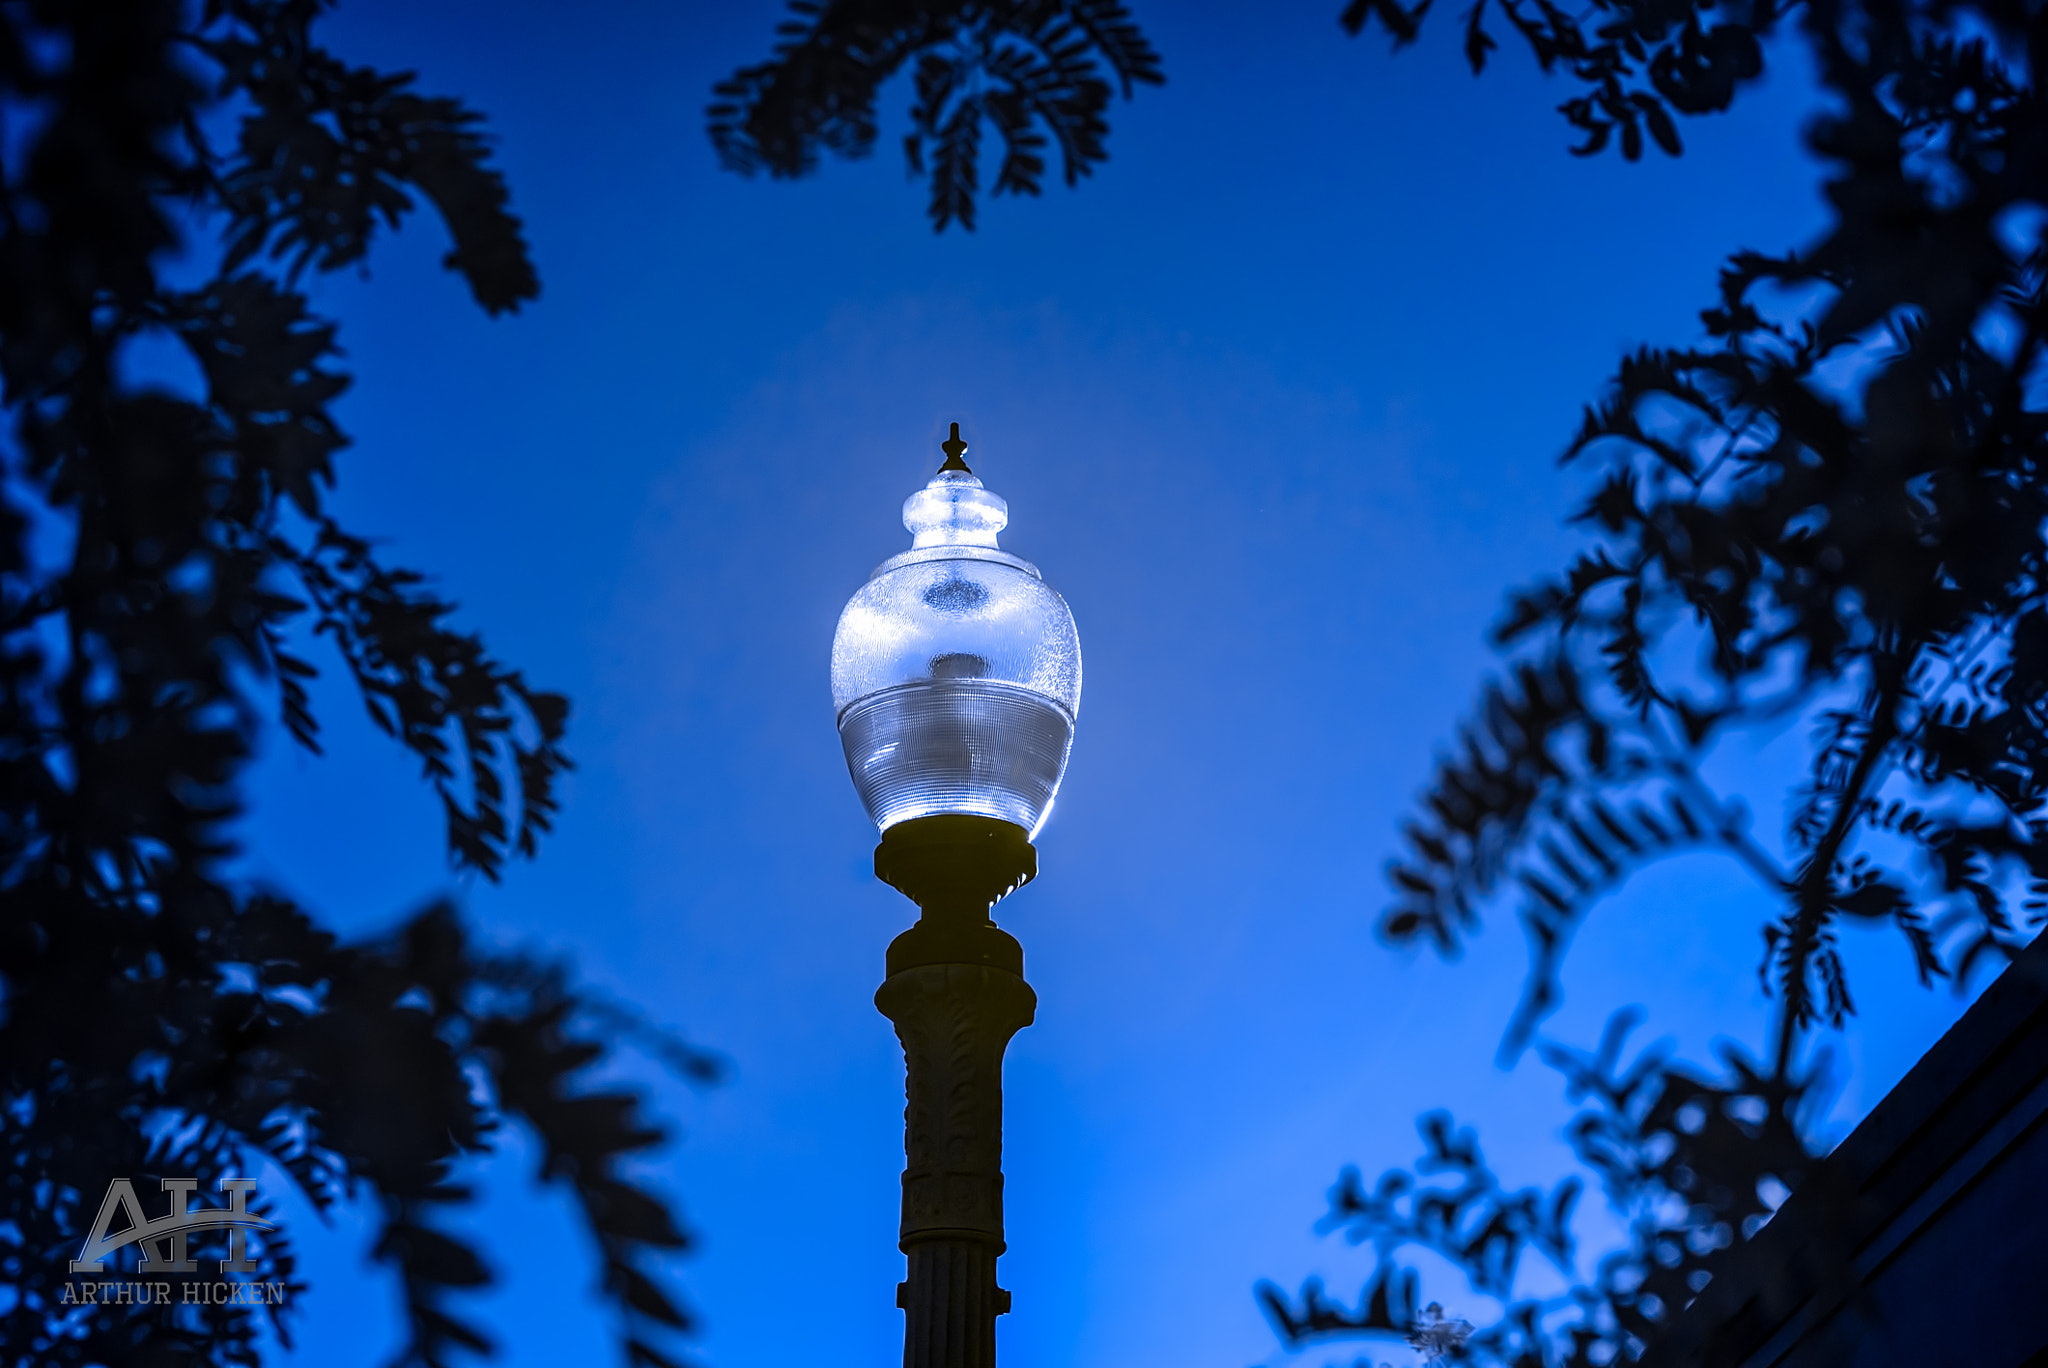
x=956, y=670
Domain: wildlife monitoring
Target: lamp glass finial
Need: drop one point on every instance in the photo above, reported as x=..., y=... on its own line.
x=954, y=449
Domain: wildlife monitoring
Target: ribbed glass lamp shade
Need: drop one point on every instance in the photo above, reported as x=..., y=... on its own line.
x=956, y=670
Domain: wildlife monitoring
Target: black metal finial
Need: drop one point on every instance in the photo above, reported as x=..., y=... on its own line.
x=954, y=449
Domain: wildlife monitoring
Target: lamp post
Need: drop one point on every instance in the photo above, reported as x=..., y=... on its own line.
x=956, y=672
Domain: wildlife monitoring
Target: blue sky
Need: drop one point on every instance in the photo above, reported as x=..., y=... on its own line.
x=1275, y=399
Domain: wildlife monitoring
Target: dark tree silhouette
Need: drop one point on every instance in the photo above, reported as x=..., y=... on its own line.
x=1031, y=69
x=1640, y=61
x=1828, y=513
x=165, y=558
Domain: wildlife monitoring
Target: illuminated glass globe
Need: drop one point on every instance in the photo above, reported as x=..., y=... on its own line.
x=956, y=670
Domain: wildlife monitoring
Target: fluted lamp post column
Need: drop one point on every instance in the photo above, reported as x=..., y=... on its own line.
x=956, y=672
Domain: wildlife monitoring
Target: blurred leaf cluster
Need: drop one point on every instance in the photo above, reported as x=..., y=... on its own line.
x=1643, y=64
x=1038, y=72
x=168, y=576
x=1693, y=1163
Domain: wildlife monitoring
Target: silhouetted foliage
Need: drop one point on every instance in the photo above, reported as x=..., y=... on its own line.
x=1693, y=1165
x=1641, y=61
x=166, y=567
x=1033, y=70
x=1829, y=513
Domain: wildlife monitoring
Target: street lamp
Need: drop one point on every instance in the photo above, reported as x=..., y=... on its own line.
x=956, y=672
